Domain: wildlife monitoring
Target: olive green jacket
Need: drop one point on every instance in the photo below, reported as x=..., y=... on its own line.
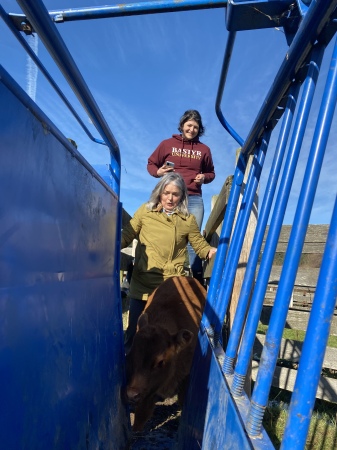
x=161, y=248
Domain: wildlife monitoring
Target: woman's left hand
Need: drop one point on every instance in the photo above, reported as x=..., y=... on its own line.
x=200, y=178
x=211, y=253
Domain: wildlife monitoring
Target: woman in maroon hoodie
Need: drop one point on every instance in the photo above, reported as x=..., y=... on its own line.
x=186, y=155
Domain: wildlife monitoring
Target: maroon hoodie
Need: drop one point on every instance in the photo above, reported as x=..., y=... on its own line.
x=189, y=158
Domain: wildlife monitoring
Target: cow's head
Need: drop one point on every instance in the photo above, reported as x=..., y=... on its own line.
x=151, y=361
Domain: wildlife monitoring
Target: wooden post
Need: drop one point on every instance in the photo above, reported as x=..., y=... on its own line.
x=241, y=269
x=214, y=224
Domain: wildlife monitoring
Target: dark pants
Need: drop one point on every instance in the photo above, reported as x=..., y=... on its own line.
x=136, y=308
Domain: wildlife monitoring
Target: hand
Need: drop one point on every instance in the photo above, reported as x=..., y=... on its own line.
x=164, y=169
x=211, y=252
x=200, y=178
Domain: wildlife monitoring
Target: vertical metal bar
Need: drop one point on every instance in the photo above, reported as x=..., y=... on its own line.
x=303, y=398
x=276, y=223
x=249, y=277
x=43, y=25
x=223, y=77
x=210, y=317
x=287, y=279
x=227, y=281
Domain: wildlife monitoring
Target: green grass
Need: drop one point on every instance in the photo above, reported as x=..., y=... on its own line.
x=322, y=433
x=296, y=335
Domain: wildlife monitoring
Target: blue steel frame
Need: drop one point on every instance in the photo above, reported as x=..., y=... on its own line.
x=304, y=57
x=11, y=26
x=274, y=231
x=219, y=294
x=38, y=16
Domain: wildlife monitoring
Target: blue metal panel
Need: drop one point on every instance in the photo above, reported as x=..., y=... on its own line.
x=61, y=350
x=212, y=420
x=252, y=15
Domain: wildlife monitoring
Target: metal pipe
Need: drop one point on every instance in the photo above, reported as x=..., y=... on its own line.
x=243, y=216
x=223, y=77
x=303, y=398
x=276, y=224
x=32, y=55
x=210, y=317
x=38, y=16
x=237, y=327
x=309, y=30
x=132, y=9
x=288, y=274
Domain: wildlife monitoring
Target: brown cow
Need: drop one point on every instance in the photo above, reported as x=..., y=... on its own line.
x=160, y=358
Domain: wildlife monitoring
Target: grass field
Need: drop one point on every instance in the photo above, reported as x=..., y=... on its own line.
x=323, y=426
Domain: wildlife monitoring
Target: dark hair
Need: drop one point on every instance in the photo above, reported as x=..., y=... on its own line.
x=191, y=114
x=170, y=178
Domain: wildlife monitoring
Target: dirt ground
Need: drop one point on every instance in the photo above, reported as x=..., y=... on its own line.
x=160, y=432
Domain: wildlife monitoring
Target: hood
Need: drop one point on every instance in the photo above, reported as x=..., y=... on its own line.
x=180, y=139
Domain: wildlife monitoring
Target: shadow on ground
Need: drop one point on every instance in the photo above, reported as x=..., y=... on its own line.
x=160, y=432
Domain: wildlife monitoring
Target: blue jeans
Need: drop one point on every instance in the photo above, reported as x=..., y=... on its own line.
x=195, y=207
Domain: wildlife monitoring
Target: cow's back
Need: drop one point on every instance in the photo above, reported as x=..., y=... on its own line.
x=177, y=303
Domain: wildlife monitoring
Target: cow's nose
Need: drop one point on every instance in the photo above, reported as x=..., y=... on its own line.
x=133, y=395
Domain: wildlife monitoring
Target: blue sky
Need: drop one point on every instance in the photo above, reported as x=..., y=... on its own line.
x=145, y=71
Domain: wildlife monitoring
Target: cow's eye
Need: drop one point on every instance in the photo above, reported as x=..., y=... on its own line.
x=160, y=364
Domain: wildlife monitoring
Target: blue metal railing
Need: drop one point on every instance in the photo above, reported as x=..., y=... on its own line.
x=234, y=338
x=38, y=16
x=127, y=9
x=32, y=55
x=294, y=250
x=300, y=69
x=303, y=398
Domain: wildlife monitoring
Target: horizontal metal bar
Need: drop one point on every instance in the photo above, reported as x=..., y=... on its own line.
x=126, y=9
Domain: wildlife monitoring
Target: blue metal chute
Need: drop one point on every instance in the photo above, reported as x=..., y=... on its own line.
x=61, y=349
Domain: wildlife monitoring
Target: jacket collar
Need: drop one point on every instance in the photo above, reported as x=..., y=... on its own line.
x=159, y=208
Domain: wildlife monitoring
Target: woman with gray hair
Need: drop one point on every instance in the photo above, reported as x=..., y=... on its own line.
x=163, y=227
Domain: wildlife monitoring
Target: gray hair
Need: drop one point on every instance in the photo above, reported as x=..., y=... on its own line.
x=170, y=178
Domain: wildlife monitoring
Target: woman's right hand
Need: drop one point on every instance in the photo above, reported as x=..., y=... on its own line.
x=163, y=170
x=211, y=252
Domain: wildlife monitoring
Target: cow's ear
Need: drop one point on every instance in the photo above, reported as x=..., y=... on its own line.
x=183, y=338
x=143, y=320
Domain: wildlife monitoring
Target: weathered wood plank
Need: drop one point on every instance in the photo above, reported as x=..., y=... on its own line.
x=291, y=351
x=285, y=379
x=297, y=320
x=315, y=238
x=219, y=209
x=306, y=276
x=315, y=233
